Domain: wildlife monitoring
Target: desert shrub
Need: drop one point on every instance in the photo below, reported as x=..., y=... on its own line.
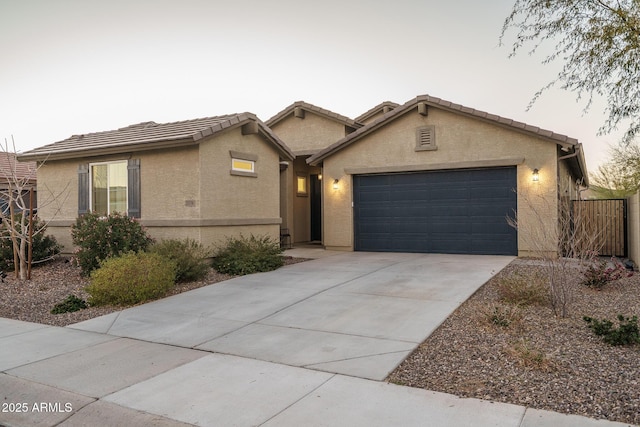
x=530, y=357
x=626, y=333
x=131, y=278
x=523, y=289
x=502, y=315
x=69, y=305
x=190, y=256
x=99, y=238
x=244, y=255
x=44, y=245
x=598, y=274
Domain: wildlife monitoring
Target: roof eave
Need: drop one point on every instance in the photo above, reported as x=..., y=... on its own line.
x=105, y=151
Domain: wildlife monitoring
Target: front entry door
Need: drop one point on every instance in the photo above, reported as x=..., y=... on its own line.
x=316, y=208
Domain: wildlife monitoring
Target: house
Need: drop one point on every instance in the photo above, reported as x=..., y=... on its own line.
x=434, y=176
x=204, y=179
x=306, y=129
x=425, y=176
x=17, y=177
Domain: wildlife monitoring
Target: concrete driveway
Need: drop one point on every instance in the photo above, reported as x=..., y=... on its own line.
x=358, y=314
x=284, y=348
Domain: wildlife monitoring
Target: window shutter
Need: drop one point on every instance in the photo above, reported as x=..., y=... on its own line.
x=133, y=172
x=83, y=189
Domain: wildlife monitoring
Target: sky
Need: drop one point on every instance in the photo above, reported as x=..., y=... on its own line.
x=78, y=66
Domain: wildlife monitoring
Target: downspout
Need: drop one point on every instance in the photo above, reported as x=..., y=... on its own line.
x=576, y=151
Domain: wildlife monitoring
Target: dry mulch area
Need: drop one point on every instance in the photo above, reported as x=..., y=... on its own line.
x=51, y=283
x=539, y=360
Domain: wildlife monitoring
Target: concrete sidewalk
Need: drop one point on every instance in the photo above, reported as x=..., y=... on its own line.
x=305, y=345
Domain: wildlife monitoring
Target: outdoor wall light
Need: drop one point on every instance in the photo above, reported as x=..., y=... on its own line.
x=335, y=183
x=536, y=175
x=319, y=177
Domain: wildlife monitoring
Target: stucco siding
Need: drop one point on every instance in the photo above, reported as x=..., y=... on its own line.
x=309, y=134
x=227, y=196
x=169, y=184
x=461, y=142
x=58, y=190
x=185, y=192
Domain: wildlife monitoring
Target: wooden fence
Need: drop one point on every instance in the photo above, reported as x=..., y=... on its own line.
x=606, y=221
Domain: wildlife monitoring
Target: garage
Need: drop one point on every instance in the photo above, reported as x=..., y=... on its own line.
x=460, y=211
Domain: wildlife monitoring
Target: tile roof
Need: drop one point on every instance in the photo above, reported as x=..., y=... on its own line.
x=148, y=135
x=445, y=105
x=11, y=169
x=375, y=110
x=313, y=109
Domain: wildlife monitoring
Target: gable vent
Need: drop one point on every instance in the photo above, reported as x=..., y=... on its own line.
x=426, y=138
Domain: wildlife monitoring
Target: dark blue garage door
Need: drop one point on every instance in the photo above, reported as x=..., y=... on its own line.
x=455, y=211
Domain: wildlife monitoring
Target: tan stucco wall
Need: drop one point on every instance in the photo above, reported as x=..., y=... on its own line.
x=461, y=142
x=310, y=134
x=226, y=196
x=169, y=184
x=185, y=192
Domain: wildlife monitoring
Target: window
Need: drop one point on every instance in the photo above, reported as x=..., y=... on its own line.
x=108, y=187
x=301, y=185
x=241, y=165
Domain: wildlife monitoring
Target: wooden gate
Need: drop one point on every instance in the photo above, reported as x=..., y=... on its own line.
x=606, y=220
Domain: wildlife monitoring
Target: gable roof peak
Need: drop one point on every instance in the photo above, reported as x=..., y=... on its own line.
x=384, y=107
x=442, y=104
x=312, y=109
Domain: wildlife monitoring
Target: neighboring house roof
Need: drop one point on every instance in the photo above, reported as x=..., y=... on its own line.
x=564, y=141
x=10, y=169
x=313, y=109
x=151, y=135
x=383, y=107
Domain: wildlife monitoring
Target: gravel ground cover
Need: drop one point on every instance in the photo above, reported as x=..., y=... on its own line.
x=538, y=360
x=51, y=283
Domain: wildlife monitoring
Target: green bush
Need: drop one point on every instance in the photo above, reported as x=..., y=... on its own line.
x=190, y=256
x=44, y=246
x=626, y=333
x=131, y=278
x=523, y=289
x=248, y=255
x=99, y=238
x=69, y=305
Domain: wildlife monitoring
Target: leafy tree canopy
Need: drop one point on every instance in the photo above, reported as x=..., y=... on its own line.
x=620, y=176
x=599, y=43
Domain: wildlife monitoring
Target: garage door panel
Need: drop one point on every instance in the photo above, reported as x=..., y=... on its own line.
x=496, y=193
x=402, y=194
x=409, y=227
x=374, y=197
x=449, y=194
x=459, y=211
